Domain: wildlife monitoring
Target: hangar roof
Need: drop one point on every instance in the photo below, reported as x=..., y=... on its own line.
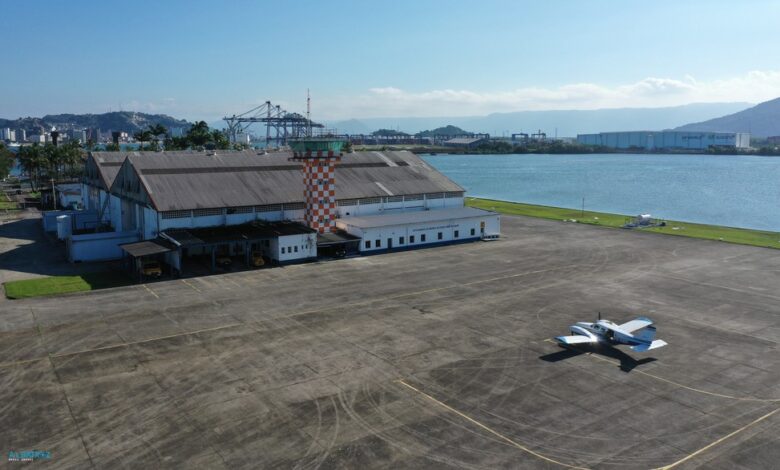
x=406, y=218
x=232, y=179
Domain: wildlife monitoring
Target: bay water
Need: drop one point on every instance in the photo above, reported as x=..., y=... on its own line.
x=731, y=190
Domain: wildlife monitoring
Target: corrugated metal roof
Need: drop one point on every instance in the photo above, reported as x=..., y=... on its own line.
x=405, y=218
x=230, y=179
x=148, y=247
x=108, y=164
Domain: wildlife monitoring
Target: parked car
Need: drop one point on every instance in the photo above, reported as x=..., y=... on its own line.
x=224, y=261
x=152, y=268
x=257, y=259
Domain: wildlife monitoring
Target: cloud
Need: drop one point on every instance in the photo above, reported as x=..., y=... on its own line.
x=755, y=86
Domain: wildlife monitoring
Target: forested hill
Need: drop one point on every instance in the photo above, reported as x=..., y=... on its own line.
x=762, y=120
x=126, y=121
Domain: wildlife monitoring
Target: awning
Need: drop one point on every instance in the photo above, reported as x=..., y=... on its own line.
x=335, y=238
x=147, y=247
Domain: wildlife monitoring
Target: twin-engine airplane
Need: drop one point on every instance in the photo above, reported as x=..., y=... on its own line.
x=607, y=332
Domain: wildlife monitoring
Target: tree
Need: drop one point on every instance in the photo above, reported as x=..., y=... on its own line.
x=158, y=133
x=33, y=162
x=6, y=160
x=199, y=135
x=142, y=136
x=219, y=140
x=112, y=147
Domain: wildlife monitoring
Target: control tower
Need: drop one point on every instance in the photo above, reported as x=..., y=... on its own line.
x=319, y=157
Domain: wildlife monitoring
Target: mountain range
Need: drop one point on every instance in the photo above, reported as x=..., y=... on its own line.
x=126, y=121
x=568, y=123
x=762, y=120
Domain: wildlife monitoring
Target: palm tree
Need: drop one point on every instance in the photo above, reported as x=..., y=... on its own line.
x=32, y=160
x=143, y=136
x=158, y=131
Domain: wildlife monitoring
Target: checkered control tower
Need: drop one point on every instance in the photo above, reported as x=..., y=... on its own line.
x=319, y=157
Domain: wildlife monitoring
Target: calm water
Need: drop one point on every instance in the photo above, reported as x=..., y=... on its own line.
x=728, y=190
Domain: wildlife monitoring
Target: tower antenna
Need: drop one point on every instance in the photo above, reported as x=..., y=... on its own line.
x=308, y=113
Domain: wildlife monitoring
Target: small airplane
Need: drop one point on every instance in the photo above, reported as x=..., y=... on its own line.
x=607, y=332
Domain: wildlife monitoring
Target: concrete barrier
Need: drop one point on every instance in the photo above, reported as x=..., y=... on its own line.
x=81, y=220
x=102, y=246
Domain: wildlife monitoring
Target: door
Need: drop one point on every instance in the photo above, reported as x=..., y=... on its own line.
x=389, y=243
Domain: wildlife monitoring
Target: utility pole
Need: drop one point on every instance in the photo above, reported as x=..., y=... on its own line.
x=582, y=214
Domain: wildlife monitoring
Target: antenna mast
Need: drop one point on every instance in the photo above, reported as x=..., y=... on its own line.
x=308, y=113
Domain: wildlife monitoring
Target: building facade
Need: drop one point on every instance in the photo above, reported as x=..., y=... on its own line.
x=236, y=195
x=650, y=140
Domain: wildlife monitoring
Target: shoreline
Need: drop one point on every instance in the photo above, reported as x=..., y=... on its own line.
x=736, y=235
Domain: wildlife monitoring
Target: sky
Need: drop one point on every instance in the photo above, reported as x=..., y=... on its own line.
x=197, y=59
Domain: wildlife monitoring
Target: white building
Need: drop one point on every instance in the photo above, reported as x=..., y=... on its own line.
x=415, y=229
x=8, y=134
x=651, y=140
x=231, y=201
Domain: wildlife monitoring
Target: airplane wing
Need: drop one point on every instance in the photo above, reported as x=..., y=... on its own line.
x=659, y=343
x=575, y=339
x=635, y=324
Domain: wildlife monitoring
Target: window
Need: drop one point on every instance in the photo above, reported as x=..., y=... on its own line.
x=368, y=244
x=439, y=235
x=296, y=248
x=176, y=214
x=240, y=210
x=282, y=250
x=269, y=208
x=473, y=232
x=400, y=240
x=206, y=212
x=422, y=237
x=456, y=234
x=378, y=243
x=411, y=238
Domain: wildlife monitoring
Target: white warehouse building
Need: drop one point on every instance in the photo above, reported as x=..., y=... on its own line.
x=175, y=205
x=650, y=140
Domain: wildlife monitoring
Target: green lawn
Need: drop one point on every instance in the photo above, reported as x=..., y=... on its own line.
x=64, y=284
x=684, y=229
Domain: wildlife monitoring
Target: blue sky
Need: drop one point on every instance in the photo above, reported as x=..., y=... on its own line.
x=203, y=59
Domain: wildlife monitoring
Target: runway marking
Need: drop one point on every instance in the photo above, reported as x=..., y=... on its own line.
x=151, y=291
x=488, y=429
x=713, y=444
x=190, y=285
x=677, y=384
x=293, y=314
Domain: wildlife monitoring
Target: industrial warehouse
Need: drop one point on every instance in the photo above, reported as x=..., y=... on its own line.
x=650, y=140
x=285, y=206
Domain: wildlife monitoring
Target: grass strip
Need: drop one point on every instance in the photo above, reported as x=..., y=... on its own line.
x=740, y=236
x=55, y=285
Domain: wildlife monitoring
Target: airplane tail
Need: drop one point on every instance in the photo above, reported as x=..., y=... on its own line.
x=659, y=343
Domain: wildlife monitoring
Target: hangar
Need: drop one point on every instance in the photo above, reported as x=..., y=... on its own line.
x=240, y=202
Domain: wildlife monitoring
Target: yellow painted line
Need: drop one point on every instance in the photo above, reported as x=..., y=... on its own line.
x=488, y=429
x=709, y=446
x=677, y=384
x=190, y=285
x=151, y=291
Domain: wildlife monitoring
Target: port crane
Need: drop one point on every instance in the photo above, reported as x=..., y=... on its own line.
x=280, y=125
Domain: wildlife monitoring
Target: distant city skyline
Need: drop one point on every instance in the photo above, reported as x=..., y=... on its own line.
x=202, y=60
